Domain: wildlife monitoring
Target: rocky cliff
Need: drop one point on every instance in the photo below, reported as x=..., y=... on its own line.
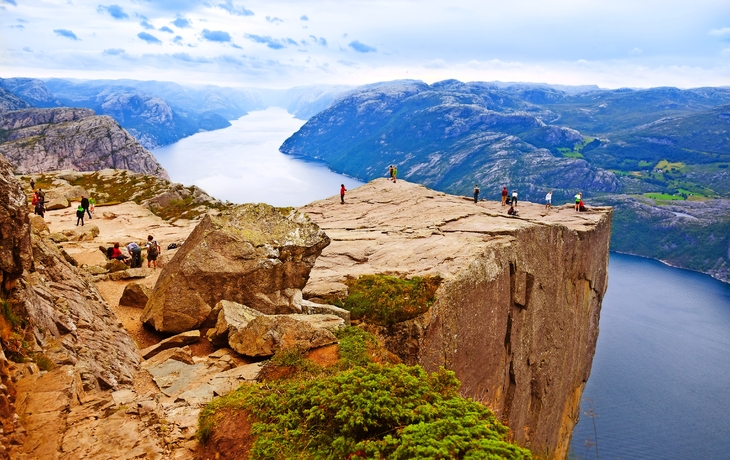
x=39, y=140
x=516, y=316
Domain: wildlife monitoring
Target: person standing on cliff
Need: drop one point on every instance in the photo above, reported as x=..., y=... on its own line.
x=514, y=198
x=549, y=200
x=578, y=198
x=390, y=172
x=32, y=184
x=395, y=173
x=92, y=203
x=85, y=205
x=342, y=193
x=505, y=192
x=476, y=192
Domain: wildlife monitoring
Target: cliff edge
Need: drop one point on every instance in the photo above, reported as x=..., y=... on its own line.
x=516, y=316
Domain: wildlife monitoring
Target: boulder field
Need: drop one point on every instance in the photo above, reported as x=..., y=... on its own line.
x=516, y=316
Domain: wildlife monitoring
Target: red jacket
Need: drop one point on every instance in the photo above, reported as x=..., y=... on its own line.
x=342, y=190
x=505, y=192
x=116, y=253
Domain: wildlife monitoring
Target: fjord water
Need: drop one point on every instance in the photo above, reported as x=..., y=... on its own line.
x=242, y=163
x=660, y=383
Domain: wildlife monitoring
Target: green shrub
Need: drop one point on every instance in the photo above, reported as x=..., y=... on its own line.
x=353, y=347
x=386, y=300
x=395, y=412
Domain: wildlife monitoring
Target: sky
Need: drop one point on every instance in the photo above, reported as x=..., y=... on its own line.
x=281, y=44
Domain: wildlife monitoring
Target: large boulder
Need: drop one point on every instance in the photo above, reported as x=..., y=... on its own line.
x=265, y=334
x=254, y=254
x=134, y=295
x=55, y=200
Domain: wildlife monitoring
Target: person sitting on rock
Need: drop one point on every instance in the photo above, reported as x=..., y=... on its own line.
x=117, y=254
x=80, y=215
x=136, y=252
x=581, y=206
x=512, y=211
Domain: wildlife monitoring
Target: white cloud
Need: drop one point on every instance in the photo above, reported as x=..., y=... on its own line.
x=724, y=32
x=436, y=64
x=473, y=40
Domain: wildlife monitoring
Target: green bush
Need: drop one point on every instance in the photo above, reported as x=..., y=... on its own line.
x=386, y=300
x=394, y=412
x=353, y=347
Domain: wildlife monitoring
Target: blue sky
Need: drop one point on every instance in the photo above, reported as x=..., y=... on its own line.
x=279, y=44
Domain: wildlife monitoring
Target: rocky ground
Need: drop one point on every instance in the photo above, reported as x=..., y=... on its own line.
x=155, y=416
x=151, y=411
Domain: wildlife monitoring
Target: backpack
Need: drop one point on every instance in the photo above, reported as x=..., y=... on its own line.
x=152, y=250
x=109, y=252
x=172, y=246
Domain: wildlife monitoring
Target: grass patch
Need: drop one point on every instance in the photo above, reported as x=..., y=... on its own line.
x=386, y=300
x=375, y=411
x=665, y=165
x=664, y=197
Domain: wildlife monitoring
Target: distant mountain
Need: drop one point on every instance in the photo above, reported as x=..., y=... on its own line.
x=9, y=101
x=153, y=120
x=636, y=149
x=40, y=140
x=160, y=113
x=448, y=139
x=31, y=90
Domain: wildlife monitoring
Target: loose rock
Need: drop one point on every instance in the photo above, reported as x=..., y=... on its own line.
x=135, y=295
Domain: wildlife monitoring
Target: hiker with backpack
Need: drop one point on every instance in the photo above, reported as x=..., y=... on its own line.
x=153, y=250
x=85, y=205
x=39, y=209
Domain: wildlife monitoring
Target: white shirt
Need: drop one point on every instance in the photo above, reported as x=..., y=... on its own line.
x=549, y=196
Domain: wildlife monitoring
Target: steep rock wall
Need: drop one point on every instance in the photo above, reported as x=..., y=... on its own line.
x=64, y=319
x=517, y=314
x=41, y=140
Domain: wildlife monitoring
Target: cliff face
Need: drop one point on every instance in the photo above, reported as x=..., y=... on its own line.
x=65, y=320
x=517, y=314
x=40, y=140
